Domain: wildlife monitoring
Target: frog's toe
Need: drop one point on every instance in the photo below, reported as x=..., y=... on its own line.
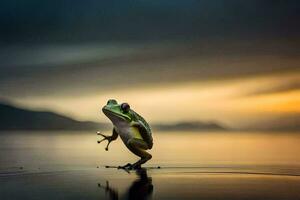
x=128, y=165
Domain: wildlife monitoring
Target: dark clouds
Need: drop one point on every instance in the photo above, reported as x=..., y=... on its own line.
x=94, y=20
x=140, y=66
x=69, y=47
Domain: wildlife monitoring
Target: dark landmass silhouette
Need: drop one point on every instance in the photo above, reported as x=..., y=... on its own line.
x=13, y=118
x=190, y=126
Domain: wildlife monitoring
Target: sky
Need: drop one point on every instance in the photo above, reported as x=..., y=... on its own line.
x=233, y=62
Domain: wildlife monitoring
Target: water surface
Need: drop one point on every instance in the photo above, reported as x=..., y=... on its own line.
x=70, y=165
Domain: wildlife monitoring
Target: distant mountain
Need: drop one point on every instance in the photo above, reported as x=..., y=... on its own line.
x=190, y=126
x=12, y=118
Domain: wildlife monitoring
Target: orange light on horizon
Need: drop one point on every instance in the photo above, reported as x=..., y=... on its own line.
x=283, y=102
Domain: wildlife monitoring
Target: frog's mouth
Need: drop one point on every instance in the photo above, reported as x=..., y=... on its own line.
x=111, y=114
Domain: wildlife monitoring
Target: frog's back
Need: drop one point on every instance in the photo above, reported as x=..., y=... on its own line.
x=147, y=136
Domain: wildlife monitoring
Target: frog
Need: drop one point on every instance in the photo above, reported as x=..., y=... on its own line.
x=133, y=130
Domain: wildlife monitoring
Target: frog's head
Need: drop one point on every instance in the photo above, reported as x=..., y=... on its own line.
x=117, y=112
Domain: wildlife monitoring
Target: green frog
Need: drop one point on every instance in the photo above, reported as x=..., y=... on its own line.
x=133, y=129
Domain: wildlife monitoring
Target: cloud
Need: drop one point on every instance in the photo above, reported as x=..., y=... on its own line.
x=218, y=100
x=85, y=69
x=69, y=21
x=279, y=86
x=66, y=48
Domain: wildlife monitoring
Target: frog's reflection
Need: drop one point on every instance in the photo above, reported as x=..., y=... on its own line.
x=112, y=193
x=141, y=188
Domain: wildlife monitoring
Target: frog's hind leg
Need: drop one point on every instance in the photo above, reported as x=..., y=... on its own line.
x=139, y=147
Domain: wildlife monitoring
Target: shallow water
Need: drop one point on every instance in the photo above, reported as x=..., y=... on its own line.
x=221, y=165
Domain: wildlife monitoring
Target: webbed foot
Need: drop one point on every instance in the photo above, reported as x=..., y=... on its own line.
x=127, y=166
x=105, y=137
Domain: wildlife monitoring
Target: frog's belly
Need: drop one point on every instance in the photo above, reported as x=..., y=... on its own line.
x=129, y=132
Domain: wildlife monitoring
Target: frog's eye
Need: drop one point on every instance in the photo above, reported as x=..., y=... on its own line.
x=125, y=107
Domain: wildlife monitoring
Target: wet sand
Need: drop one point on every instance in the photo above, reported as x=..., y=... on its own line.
x=165, y=183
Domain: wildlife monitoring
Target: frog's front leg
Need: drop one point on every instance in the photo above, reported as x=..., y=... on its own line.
x=138, y=147
x=111, y=138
